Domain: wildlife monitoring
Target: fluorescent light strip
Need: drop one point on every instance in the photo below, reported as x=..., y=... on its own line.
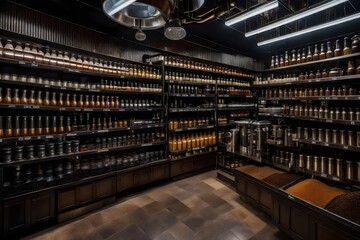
x=252, y=13
x=121, y=4
x=295, y=17
x=312, y=29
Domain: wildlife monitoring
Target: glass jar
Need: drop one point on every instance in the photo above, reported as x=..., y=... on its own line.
x=329, y=53
x=347, y=49
x=338, y=50
x=315, y=56
x=322, y=54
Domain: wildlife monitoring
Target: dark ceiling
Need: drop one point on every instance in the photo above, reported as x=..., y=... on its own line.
x=214, y=34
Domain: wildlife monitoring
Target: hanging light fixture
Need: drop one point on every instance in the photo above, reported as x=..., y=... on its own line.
x=114, y=6
x=251, y=13
x=140, y=35
x=311, y=29
x=174, y=30
x=296, y=17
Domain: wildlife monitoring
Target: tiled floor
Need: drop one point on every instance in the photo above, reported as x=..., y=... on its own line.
x=199, y=207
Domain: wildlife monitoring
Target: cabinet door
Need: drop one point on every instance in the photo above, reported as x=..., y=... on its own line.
x=85, y=193
x=66, y=199
x=125, y=181
x=15, y=214
x=105, y=188
x=42, y=207
x=176, y=167
x=159, y=172
x=188, y=166
x=141, y=177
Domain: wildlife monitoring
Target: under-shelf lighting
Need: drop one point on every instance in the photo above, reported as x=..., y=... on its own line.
x=251, y=13
x=311, y=29
x=296, y=17
x=118, y=5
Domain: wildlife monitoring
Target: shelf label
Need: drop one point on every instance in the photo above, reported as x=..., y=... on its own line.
x=329, y=120
x=49, y=136
x=346, y=147
x=94, y=90
x=323, y=175
x=335, y=98
x=326, y=144
x=77, y=109
x=71, y=134
x=77, y=89
x=62, y=109
x=335, y=178
x=317, y=80
x=146, y=144
x=63, y=88
x=103, y=131
x=352, y=123
x=1, y=140
x=313, y=142
x=22, y=62
x=288, y=83
x=103, y=150
x=88, y=109
x=106, y=110
x=11, y=106
x=72, y=70
x=46, y=86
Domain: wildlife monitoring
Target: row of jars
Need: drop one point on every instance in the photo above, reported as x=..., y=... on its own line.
x=178, y=62
x=47, y=173
x=310, y=92
x=322, y=112
x=32, y=53
x=284, y=158
x=180, y=103
x=330, y=166
x=33, y=97
x=194, y=152
x=181, y=89
x=333, y=72
x=223, y=119
x=103, y=85
x=237, y=114
x=189, y=122
x=193, y=140
x=16, y=126
x=313, y=53
x=234, y=91
x=40, y=150
x=336, y=136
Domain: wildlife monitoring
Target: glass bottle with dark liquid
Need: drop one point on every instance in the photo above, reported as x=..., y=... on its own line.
x=338, y=50
x=53, y=100
x=315, y=56
x=1, y=127
x=67, y=100
x=16, y=131
x=15, y=98
x=7, y=98
x=39, y=129
x=24, y=99
x=309, y=56
x=322, y=54
x=8, y=126
x=347, y=49
x=38, y=100
x=32, y=97
x=46, y=101
x=329, y=53
x=31, y=128
x=24, y=129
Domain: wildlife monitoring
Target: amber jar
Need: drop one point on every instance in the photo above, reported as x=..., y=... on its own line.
x=315, y=56
x=7, y=98
x=8, y=126
x=318, y=74
x=38, y=100
x=338, y=50
x=24, y=128
x=16, y=131
x=15, y=98
x=324, y=74
x=347, y=49
x=32, y=97
x=322, y=54
x=309, y=56
x=53, y=100
x=39, y=127
x=329, y=53
x=24, y=99
x=46, y=101
x=351, y=68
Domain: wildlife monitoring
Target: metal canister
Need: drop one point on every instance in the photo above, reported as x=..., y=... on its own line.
x=349, y=170
x=331, y=113
x=309, y=162
x=323, y=165
x=339, y=168
x=59, y=148
x=67, y=147
x=321, y=134
x=292, y=159
x=301, y=161
x=50, y=149
x=331, y=166
x=351, y=139
x=41, y=150
x=299, y=133
x=314, y=134
x=18, y=153
x=30, y=151
x=327, y=135
x=316, y=164
x=335, y=136
x=343, y=138
x=76, y=146
x=306, y=133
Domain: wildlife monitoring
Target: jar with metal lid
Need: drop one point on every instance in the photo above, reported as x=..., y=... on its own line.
x=299, y=134
x=50, y=149
x=18, y=153
x=314, y=134
x=350, y=170
x=41, y=150
x=339, y=168
x=323, y=165
x=59, y=148
x=351, y=115
x=351, y=138
x=316, y=112
x=321, y=135
x=306, y=133
x=328, y=135
x=309, y=162
x=321, y=112
x=335, y=136
x=317, y=164
x=332, y=113
x=343, y=137
x=344, y=114
x=301, y=161
x=337, y=114
x=331, y=166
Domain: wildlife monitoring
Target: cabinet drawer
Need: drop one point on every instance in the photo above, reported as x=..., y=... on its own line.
x=15, y=214
x=125, y=181
x=159, y=172
x=42, y=208
x=85, y=193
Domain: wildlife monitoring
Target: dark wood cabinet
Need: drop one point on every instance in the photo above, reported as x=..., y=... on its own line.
x=159, y=172
x=105, y=188
x=28, y=211
x=191, y=164
x=66, y=199
x=141, y=177
x=85, y=193
x=16, y=213
x=125, y=181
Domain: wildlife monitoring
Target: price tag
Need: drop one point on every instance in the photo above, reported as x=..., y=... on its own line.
x=329, y=120
x=103, y=131
x=317, y=80
x=122, y=76
x=103, y=150
x=26, y=107
x=62, y=109
x=326, y=144
x=71, y=134
x=146, y=144
x=49, y=136
x=63, y=88
x=22, y=63
x=11, y=106
x=77, y=89
x=313, y=142
x=106, y=110
x=88, y=109
x=72, y=70
x=335, y=178
x=352, y=123
x=288, y=83
x=77, y=109
x=46, y=86
x=323, y=175
x=346, y=147
x=34, y=65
